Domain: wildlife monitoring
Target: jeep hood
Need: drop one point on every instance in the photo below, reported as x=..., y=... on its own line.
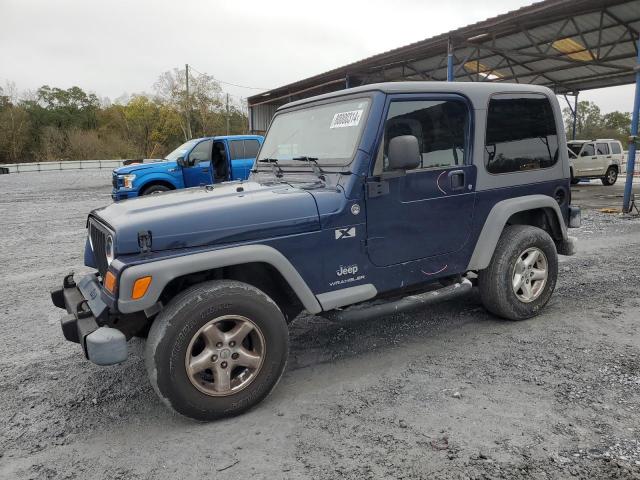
x=148, y=164
x=226, y=213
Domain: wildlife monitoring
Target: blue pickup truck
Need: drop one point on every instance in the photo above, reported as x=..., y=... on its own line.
x=201, y=161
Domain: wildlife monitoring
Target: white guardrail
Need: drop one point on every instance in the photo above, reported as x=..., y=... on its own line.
x=62, y=165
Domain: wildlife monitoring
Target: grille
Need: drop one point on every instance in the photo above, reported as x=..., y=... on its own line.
x=114, y=181
x=98, y=237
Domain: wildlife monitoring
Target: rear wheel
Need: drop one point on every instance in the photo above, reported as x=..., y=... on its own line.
x=610, y=177
x=153, y=189
x=217, y=349
x=522, y=274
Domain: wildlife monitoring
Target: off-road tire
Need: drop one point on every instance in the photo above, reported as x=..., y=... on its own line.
x=173, y=330
x=610, y=177
x=151, y=189
x=496, y=281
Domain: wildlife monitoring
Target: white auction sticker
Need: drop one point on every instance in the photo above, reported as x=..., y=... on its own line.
x=346, y=119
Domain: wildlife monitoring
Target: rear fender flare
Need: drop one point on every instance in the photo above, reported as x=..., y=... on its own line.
x=497, y=219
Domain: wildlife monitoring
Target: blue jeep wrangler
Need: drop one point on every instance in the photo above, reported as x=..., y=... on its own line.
x=201, y=161
x=362, y=202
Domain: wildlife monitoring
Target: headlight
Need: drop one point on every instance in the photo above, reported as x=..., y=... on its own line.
x=127, y=180
x=109, y=250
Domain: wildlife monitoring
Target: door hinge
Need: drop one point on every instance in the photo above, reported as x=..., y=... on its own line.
x=145, y=240
x=377, y=189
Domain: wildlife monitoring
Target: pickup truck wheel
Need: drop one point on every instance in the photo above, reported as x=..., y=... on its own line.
x=610, y=177
x=217, y=349
x=153, y=189
x=522, y=274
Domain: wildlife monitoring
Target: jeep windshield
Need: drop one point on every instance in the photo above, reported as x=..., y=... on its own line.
x=181, y=151
x=328, y=133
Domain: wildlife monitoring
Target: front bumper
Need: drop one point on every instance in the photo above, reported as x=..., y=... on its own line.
x=120, y=194
x=86, y=312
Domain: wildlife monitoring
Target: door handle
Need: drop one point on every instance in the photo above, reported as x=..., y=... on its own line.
x=456, y=180
x=608, y=156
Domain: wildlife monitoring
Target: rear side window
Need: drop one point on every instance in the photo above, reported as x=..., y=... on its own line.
x=251, y=148
x=236, y=148
x=615, y=147
x=602, y=148
x=521, y=134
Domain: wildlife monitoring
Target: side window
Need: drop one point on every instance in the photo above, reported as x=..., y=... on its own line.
x=440, y=126
x=521, y=134
x=588, y=150
x=251, y=148
x=201, y=152
x=236, y=148
x=602, y=148
x=615, y=147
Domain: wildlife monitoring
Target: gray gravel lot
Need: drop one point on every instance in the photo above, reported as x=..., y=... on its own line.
x=449, y=392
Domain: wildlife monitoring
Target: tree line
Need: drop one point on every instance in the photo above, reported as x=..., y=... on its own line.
x=71, y=124
x=591, y=123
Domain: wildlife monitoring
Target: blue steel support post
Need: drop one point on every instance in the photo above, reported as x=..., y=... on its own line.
x=575, y=115
x=449, y=61
x=631, y=160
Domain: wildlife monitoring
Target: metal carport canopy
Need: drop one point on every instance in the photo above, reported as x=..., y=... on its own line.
x=567, y=45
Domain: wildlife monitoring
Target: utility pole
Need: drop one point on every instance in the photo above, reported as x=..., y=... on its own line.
x=227, y=114
x=188, y=102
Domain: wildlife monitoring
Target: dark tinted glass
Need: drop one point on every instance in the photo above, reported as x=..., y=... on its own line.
x=251, y=148
x=615, y=147
x=237, y=149
x=588, y=150
x=439, y=125
x=521, y=134
x=201, y=152
x=602, y=148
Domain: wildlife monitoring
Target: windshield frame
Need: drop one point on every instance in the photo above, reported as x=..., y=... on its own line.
x=325, y=162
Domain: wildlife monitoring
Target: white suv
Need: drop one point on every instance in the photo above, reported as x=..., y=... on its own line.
x=600, y=158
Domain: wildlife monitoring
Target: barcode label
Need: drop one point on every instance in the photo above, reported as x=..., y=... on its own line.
x=346, y=119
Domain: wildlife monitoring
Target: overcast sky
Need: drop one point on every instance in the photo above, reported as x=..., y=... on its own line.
x=115, y=47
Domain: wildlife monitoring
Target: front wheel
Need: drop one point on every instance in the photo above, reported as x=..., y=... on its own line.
x=522, y=274
x=610, y=177
x=218, y=349
x=155, y=189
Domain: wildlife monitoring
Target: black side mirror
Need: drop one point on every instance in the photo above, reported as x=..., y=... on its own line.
x=180, y=161
x=404, y=153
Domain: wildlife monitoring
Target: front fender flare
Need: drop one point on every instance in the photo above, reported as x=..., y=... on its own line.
x=163, y=271
x=497, y=219
x=156, y=177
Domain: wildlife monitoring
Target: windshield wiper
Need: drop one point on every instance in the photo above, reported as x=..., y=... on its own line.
x=277, y=171
x=317, y=169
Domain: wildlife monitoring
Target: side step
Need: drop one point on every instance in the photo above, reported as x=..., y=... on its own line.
x=360, y=312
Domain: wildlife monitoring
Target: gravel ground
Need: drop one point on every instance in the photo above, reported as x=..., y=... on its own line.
x=449, y=392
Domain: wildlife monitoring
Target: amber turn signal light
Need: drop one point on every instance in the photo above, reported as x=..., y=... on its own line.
x=140, y=287
x=110, y=282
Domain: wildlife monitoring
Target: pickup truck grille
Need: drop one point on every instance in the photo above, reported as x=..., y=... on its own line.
x=114, y=181
x=98, y=238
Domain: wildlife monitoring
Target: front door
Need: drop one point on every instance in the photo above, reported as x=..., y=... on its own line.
x=427, y=211
x=199, y=170
x=587, y=162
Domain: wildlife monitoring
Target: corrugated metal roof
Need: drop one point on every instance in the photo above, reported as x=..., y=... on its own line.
x=547, y=43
